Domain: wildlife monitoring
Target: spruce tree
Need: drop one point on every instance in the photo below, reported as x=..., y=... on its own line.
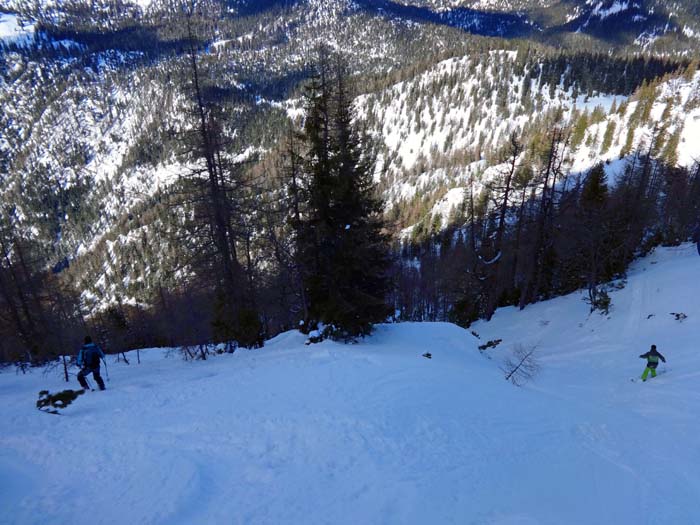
x=608, y=137
x=341, y=246
x=579, y=132
x=594, y=235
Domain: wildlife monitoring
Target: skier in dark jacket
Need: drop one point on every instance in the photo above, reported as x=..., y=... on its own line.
x=89, y=362
x=696, y=235
x=652, y=357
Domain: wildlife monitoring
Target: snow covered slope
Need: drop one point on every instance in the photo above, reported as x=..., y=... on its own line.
x=672, y=125
x=375, y=433
x=12, y=31
x=431, y=127
x=463, y=104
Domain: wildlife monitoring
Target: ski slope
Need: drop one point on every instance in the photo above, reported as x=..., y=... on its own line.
x=375, y=433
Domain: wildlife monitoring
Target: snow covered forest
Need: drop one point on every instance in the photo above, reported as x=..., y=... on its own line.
x=157, y=163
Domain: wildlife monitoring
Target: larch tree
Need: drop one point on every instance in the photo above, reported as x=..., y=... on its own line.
x=219, y=198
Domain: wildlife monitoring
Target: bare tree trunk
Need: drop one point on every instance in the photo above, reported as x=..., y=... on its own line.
x=495, y=282
x=518, y=235
x=534, y=282
x=515, y=151
x=221, y=226
x=29, y=330
x=65, y=368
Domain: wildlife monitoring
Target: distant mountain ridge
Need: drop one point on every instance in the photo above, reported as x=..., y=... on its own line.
x=640, y=24
x=616, y=22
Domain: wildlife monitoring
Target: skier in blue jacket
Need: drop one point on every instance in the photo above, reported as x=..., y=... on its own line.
x=89, y=362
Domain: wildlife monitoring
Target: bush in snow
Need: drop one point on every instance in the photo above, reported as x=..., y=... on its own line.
x=193, y=352
x=600, y=301
x=522, y=366
x=314, y=337
x=323, y=332
x=50, y=403
x=680, y=316
x=490, y=344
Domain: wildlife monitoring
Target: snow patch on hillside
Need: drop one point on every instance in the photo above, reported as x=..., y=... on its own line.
x=646, y=39
x=12, y=31
x=446, y=206
x=604, y=12
x=143, y=4
x=690, y=33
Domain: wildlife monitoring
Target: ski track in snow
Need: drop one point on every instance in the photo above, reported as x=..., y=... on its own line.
x=374, y=433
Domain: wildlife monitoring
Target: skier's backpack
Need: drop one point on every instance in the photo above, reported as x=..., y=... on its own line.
x=92, y=356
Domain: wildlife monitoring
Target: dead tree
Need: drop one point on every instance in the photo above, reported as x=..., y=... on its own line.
x=505, y=188
x=522, y=366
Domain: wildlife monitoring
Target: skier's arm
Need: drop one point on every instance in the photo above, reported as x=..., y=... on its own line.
x=102, y=354
x=644, y=356
x=662, y=358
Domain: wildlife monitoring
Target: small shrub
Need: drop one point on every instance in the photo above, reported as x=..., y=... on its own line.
x=599, y=300
x=522, y=366
x=680, y=316
x=490, y=344
x=51, y=403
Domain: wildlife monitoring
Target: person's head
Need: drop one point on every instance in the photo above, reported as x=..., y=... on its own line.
x=653, y=347
x=88, y=339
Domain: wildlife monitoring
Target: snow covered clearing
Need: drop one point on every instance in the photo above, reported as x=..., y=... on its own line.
x=144, y=4
x=12, y=31
x=375, y=433
x=615, y=8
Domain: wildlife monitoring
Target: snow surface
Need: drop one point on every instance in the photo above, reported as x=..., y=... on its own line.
x=12, y=31
x=616, y=7
x=143, y=4
x=375, y=433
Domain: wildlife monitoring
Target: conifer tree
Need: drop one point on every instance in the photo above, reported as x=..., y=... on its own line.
x=608, y=137
x=592, y=206
x=341, y=246
x=579, y=132
x=670, y=151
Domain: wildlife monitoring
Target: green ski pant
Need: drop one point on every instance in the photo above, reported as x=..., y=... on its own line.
x=646, y=373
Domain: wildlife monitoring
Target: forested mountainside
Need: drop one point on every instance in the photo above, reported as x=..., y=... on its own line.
x=440, y=128
x=101, y=158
